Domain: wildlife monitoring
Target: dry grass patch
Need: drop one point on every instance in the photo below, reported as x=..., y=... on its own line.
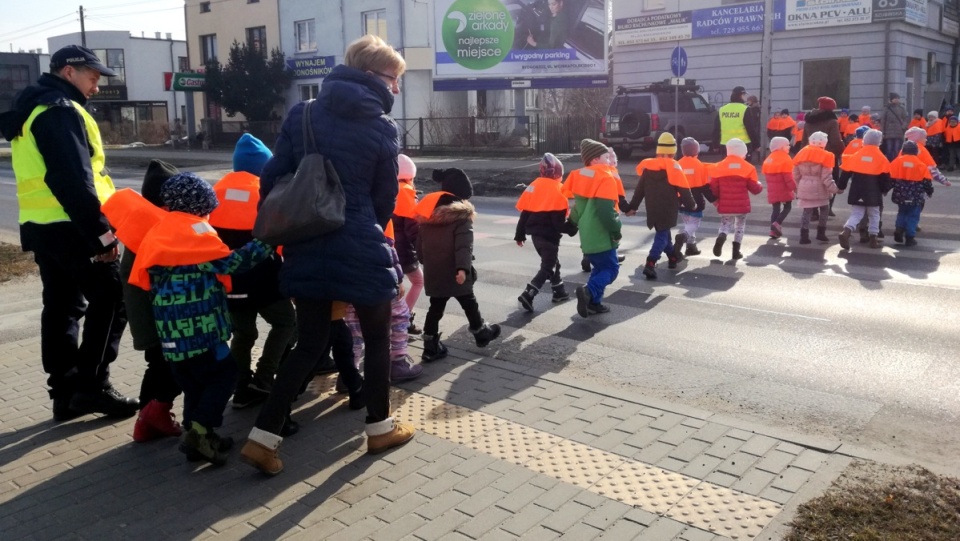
x=15, y=262
x=872, y=501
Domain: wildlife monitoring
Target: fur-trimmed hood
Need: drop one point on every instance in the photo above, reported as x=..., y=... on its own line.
x=818, y=115
x=456, y=211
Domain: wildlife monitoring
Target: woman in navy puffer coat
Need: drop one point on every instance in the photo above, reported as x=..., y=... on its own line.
x=352, y=264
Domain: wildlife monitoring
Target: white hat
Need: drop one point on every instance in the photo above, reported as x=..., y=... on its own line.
x=736, y=147
x=819, y=139
x=873, y=138
x=916, y=134
x=408, y=169
x=779, y=142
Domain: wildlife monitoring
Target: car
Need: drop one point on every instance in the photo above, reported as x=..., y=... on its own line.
x=637, y=116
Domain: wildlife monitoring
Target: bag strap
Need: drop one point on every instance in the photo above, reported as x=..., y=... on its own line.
x=308, y=131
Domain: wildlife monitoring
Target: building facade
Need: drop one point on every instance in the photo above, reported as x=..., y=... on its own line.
x=856, y=51
x=134, y=105
x=18, y=71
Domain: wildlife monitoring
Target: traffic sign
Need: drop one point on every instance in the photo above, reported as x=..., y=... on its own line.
x=678, y=61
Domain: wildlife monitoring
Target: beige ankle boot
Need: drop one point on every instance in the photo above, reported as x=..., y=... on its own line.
x=262, y=451
x=387, y=434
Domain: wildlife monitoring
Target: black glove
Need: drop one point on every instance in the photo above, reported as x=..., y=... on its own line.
x=570, y=228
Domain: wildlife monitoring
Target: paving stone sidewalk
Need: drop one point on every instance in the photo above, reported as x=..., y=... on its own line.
x=503, y=452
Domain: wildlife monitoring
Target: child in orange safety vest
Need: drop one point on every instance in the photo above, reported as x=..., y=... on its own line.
x=951, y=138
x=664, y=186
x=698, y=180
x=132, y=215
x=912, y=184
x=868, y=174
x=543, y=215
x=934, y=129
x=257, y=291
x=187, y=268
x=781, y=187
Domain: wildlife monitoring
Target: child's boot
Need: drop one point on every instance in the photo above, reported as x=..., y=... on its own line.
x=526, y=298
x=678, y=243
x=413, y=329
x=736, y=251
x=718, y=245
x=692, y=249
x=433, y=348
x=156, y=421
x=402, y=369
x=822, y=234
x=875, y=241
x=262, y=451
x=804, y=236
x=672, y=262
x=898, y=234
x=864, y=236
x=560, y=293
x=387, y=434
x=845, y=238
x=775, y=231
x=910, y=242
x=650, y=269
x=201, y=441
x=485, y=334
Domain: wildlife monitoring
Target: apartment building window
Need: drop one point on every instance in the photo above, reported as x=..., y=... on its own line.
x=309, y=92
x=208, y=47
x=828, y=77
x=375, y=22
x=305, y=35
x=183, y=64
x=257, y=39
x=204, y=7
x=14, y=78
x=113, y=58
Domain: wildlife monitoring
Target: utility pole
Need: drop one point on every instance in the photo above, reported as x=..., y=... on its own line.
x=83, y=31
x=766, y=69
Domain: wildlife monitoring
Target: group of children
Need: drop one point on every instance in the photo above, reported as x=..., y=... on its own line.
x=197, y=280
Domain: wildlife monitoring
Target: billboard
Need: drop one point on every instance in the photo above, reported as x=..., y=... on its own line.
x=520, y=39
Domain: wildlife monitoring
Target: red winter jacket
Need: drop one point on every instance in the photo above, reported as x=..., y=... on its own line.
x=732, y=181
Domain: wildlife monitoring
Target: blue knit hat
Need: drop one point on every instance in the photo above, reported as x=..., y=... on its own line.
x=250, y=155
x=861, y=131
x=189, y=193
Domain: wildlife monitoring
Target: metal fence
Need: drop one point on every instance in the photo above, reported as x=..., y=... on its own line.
x=540, y=133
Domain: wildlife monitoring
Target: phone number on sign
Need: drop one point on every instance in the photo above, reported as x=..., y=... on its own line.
x=743, y=29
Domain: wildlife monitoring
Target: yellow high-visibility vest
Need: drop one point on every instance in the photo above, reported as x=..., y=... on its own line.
x=37, y=202
x=731, y=123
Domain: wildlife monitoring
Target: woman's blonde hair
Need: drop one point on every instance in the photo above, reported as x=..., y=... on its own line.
x=371, y=53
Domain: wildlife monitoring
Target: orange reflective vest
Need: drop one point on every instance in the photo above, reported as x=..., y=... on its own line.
x=816, y=155
x=406, y=200
x=132, y=216
x=178, y=239
x=594, y=182
x=734, y=166
x=852, y=147
x=780, y=124
x=543, y=195
x=915, y=123
x=935, y=129
x=951, y=134
x=909, y=168
x=675, y=174
x=867, y=161
x=850, y=129
x=797, y=134
x=694, y=170
x=239, y=195
x=428, y=203
x=842, y=122
x=778, y=162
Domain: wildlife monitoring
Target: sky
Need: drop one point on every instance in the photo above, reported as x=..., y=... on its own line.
x=27, y=24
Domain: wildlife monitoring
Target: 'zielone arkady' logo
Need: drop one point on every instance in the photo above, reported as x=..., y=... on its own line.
x=477, y=34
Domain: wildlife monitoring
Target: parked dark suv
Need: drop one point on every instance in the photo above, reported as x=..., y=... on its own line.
x=637, y=116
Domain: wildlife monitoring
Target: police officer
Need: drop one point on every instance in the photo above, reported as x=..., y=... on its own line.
x=58, y=161
x=730, y=121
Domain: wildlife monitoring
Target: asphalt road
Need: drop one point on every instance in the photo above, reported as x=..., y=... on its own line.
x=858, y=346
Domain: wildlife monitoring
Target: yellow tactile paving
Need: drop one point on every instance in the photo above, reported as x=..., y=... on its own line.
x=725, y=512
x=575, y=463
x=515, y=443
x=648, y=487
x=691, y=501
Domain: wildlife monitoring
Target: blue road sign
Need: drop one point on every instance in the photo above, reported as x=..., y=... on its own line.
x=678, y=61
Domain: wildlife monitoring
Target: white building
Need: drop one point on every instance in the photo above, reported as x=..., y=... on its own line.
x=134, y=105
x=852, y=50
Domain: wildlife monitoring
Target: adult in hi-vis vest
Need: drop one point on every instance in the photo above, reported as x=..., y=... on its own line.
x=729, y=122
x=58, y=161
